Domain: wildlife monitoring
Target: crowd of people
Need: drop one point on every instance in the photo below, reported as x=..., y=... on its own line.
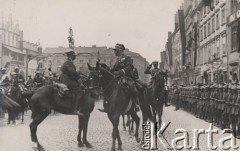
x=217, y=103
x=7, y=81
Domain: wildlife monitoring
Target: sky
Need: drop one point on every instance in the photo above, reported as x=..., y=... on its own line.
x=141, y=25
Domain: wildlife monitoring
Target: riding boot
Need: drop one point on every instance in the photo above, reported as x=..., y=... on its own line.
x=77, y=99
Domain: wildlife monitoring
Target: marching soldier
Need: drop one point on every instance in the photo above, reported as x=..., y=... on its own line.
x=207, y=95
x=224, y=107
x=237, y=112
x=233, y=117
x=228, y=108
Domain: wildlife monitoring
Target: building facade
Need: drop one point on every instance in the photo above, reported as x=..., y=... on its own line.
x=208, y=43
x=90, y=55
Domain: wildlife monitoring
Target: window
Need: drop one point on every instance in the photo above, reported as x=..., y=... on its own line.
x=218, y=48
x=209, y=52
x=223, y=16
x=14, y=56
x=224, y=45
x=209, y=29
x=234, y=37
x=217, y=21
x=213, y=49
x=21, y=58
x=205, y=54
x=213, y=24
x=205, y=32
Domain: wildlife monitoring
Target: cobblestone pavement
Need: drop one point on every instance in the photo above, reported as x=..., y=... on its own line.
x=59, y=132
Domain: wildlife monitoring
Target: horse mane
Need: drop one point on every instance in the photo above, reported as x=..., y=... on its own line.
x=107, y=73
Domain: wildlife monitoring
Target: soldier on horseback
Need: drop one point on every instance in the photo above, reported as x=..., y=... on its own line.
x=72, y=80
x=124, y=68
x=38, y=79
x=17, y=79
x=4, y=80
x=153, y=72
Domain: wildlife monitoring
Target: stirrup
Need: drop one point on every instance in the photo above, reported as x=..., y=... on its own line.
x=102, y=110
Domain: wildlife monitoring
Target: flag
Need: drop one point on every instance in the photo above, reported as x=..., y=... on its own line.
x=169, y=47
x=182, y=33
x=238, y=37
x=195, y=42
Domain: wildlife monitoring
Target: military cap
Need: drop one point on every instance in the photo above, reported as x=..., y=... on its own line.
x=220, y=86
x=207, y=86
x=155, y=62
x=3, y=69
x=119, y=47
x=70, y=52
x=16, y=68
x=37, y=71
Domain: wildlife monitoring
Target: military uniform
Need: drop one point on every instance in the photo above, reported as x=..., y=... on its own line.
x=16, y=80
x=38, y=81
x=69, y=75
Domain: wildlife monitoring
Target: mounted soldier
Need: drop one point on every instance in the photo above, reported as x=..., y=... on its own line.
x=71, y=79
x=17, y=80
x=154, y=72
x=38, y=79
x=4, y=80
x=124, y=69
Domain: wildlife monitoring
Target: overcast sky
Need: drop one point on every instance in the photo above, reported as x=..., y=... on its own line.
x=141, y=25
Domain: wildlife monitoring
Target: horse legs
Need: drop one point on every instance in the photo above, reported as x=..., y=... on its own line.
x=85, y=128
x=160, y=111
x=80, y=129
x=115, y=133
x=33, y=127
x=124, y=125
x=136, y=119
x=22, y=115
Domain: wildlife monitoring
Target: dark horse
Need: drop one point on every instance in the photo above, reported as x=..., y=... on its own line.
x=17, y=95
x=156, y=95
x=119, y=103
x=46, y=99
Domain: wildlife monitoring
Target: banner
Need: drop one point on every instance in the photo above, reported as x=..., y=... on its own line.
x=195, y=42
x=182, y=33
x=169, y=47
x=238, y=36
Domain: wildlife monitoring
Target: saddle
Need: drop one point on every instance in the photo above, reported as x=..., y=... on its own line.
x=62, y=90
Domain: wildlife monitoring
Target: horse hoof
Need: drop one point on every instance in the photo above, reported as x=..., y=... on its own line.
x=34, y=146
x=40, y=148
x=80, y=145
x=138, y=140
x=88, y=145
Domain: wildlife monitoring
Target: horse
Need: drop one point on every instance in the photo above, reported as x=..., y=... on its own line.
x=46, y=99
x=119, y=103
x=17, y=95
x=156, y=95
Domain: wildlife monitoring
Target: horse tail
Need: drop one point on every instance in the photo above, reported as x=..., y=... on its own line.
x=8, y=101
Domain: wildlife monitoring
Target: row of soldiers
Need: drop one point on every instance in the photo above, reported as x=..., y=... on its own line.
x=215, y=103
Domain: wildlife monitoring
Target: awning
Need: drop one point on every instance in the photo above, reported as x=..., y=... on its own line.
x=13, y=49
